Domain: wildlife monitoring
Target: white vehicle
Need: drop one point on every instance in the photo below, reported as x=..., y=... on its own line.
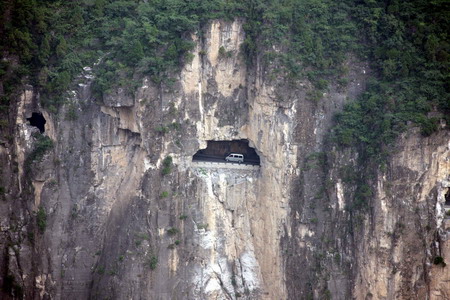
x=235, y=157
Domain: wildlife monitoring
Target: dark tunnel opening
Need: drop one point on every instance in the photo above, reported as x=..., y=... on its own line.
x=217, y=151
x=447, y=197
x=38, y=120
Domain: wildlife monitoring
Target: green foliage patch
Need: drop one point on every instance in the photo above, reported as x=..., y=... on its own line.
x=41, y=219
x=12, y=287
x=172, y=231
x=152, y=262
x=42, y=145
x=167, y=165
x=407, y=46
x=55, y=39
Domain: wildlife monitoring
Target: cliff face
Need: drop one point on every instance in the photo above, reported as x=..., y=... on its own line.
x=122, y=222
x=397, y=246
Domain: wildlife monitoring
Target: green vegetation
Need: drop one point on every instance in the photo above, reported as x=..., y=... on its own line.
x=407, y=46
x=47, y=37
x=173, y=246
x=348, y=174
x=74, y=211
x=141, y=236
x=162, y=129
x=71, y=113
x=101, y=270
x=326, y=295
x=113, y=272
x=175, y=126
x=12, y=287
x=54, y=40
x=314, y=34
x=164, y=194
x=167, y=165
x=233, y=280
x=47, y=43
x=52, y=183
x=315, y=160
x=42, y=145
x=224, y=53
x=202, y=226
x=172, y=231
x=152, y=262
x=41, y=219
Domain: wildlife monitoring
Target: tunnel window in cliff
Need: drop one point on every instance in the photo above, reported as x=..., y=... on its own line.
x=218, y=151
x=38, y=120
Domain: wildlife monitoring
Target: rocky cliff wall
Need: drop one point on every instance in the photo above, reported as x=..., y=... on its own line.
x=123, y=223
x=397, y=245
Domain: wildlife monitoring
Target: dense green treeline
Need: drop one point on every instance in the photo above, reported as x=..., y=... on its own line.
x=54, y=39
x=406, y=43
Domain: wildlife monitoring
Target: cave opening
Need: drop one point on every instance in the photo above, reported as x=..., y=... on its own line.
x=447, y=197
x=37, y=120
x=217, y=151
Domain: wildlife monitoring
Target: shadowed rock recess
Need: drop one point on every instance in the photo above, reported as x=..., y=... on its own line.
x=115, y=207
x=216, y=151
x=38, y=121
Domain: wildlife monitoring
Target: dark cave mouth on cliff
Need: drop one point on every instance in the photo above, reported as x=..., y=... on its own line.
x=447, y=197
x=37, y=120
x=217, y=151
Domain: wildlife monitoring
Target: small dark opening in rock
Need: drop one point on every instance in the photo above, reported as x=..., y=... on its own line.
x=447, y=197
x=216, y=151
x=38, y=120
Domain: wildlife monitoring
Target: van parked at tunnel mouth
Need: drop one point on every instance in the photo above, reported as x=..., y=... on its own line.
x=235, y=157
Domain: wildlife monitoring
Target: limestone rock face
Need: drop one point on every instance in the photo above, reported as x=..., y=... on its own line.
x=399, y=244
x=123, y=222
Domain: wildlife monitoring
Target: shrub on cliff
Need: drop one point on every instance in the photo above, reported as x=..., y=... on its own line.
x=41, y=219
x=167, y=165
x=42, y=145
